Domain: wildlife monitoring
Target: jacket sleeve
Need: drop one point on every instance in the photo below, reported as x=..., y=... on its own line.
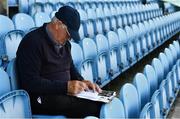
x=28, y=62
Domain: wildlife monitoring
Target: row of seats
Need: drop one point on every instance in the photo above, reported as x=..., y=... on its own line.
x=114, y=8
x=24, y=5
x=116, y=51
x=132, y=42
x=153, y=92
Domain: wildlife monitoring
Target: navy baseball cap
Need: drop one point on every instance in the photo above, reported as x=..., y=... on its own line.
x=71, y=18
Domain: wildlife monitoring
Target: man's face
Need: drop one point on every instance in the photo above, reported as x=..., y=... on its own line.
x=63, y=33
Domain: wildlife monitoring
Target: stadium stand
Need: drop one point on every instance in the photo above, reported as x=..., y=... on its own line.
x=115, y=35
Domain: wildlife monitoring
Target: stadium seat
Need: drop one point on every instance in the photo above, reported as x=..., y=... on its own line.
x=176, y=45
x=174, y=53
x=137, y=41
x=6, y=25
x=48, y=7
x=168, y=53
x=147, y=111
x=99, y=26
x=40, y=18
x=5, y=82
x=132, y=107
x=114, y=44
x=164, y=104
x=35, y=7
x=114, y=109
x=158, y=67
x=130, y=45
x=58, y=5
x=23, y=6
x=123, y=49
x=11, y=42
x=103, y=63
x=89, y=70
x=169, y=90
x=142, y=86
x=152, y=78
x=23, y=22
x=165, y=63
x=77, y=57
x=156, y=104
x=90, y=28
x=15, y=104
x=83, y=14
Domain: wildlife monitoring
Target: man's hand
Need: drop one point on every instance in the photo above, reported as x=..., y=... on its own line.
x=75, y=87
x=92, y=86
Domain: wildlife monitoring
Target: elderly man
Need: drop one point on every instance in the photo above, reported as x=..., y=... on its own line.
x=46, y=70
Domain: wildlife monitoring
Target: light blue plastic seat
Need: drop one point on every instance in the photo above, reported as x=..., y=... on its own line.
x=156, y=104
x=176, y=45
x=129, y=97
x=48, y=7
x=147, y=111
x=77, y=57
x=143, y=38
x=91, y=14
x=11, y=42
x=106, y=25
x=35, y=7
x=114, y=44
x=158, y=67
x=5, y=82
x=23, y=22
x=123, y=49
x=114, y=109
x=169, y=90
x=99, y=26
x=15, y=104
x=165, y=63
x=90, y=29
x=40, y=18
x=174, y=53
x=137, y=41
x=131, y=46
x=83, y=14
x=152, y=78
x=168, y=53
x=58, y=5
x=6, y=25
x=142, y=85
x=23, y=6
x=164, y=104
x=174, y=80
x=113, y=23
x=89, y=68
x=103, y=63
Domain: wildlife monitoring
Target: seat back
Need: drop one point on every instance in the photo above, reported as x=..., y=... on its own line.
x=114, y=51
x=15, y=104
x=174, y=53
x=5, y=82
x=11, y=41
x=23, y=22
x=142, y=86
x=152, y=78
x=40, y=18
x=156, y=104
x=158, y=67
x=36, y=7
x=103, y=62
x=114, y=109
x=48, y=7
x=89, y=69
x=164, y=61
x=176, y=45
x=123, y=50
x=132, y=107
x=168, y=53
x=147, y=111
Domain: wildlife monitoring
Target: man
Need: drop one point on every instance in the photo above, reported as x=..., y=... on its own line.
x=46, y=69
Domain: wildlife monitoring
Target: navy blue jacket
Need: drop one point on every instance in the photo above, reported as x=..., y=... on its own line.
x=41, y=69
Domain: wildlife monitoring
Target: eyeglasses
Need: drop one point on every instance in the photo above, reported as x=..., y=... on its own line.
x=63, y=26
